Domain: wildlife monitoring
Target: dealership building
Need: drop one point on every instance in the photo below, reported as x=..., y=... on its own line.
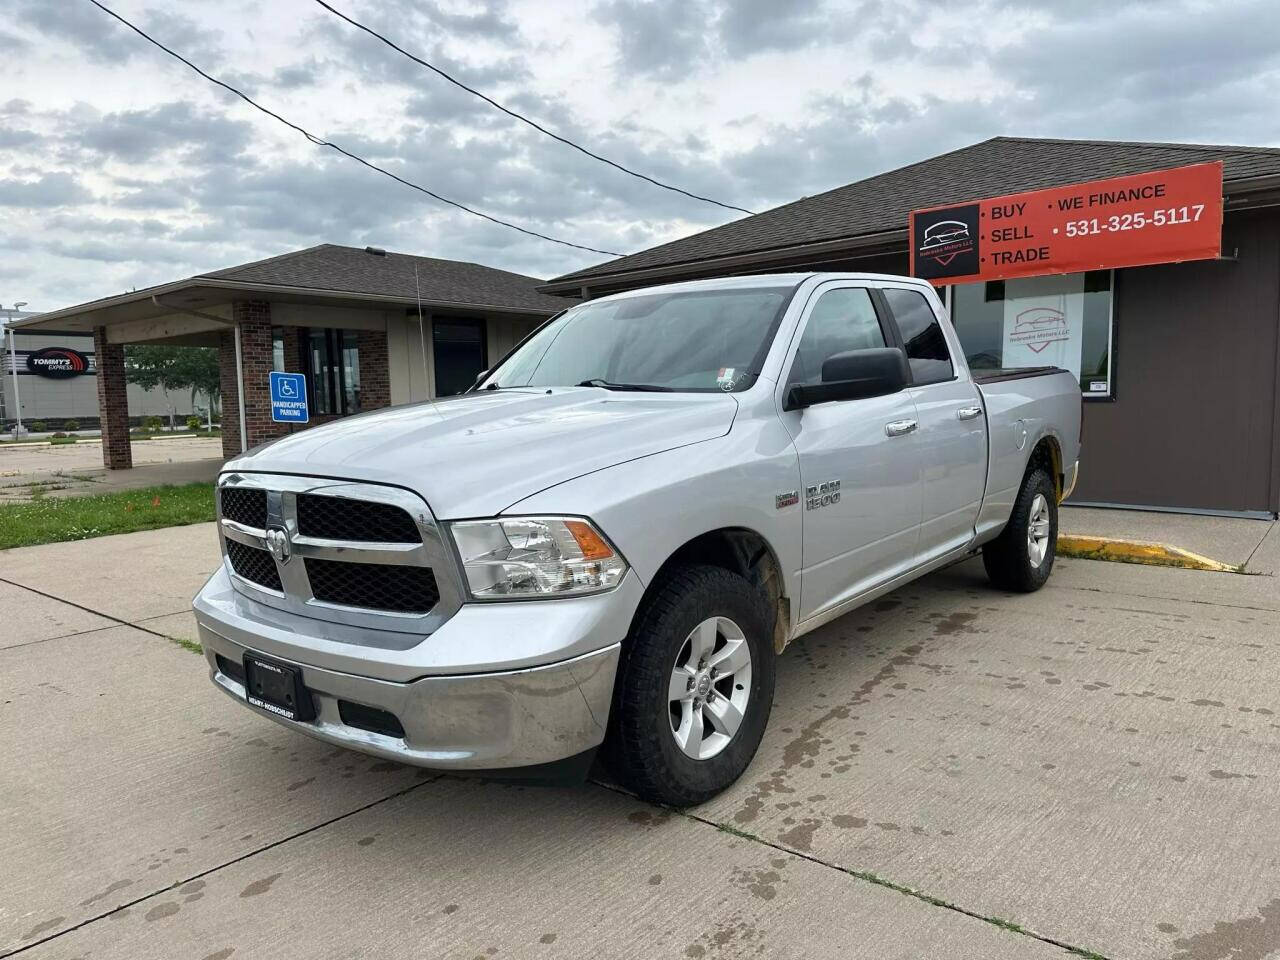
x=1179, y=363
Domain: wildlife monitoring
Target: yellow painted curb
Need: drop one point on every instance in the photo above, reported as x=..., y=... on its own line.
x=1138, y=551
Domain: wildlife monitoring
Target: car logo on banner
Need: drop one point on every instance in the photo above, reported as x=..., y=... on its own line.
x=57, y=362
x=946, y=241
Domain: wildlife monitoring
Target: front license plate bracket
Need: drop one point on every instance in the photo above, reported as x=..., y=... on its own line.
x=278, y=689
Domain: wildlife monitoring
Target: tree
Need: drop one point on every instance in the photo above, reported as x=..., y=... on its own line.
x=174, y=368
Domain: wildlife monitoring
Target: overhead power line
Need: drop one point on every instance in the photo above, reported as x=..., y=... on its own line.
x=321, y=142
x=523, y=119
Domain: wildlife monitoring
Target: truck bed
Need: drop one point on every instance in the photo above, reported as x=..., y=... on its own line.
x=1022, y=405
x=1012, y=373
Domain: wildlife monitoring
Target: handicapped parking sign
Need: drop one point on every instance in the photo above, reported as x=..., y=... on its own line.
x=288, y=397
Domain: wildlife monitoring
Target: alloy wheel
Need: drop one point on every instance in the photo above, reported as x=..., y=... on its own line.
x=709, y=688
x=1038, y=531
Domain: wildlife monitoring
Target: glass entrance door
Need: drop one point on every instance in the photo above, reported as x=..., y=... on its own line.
x=460, y=354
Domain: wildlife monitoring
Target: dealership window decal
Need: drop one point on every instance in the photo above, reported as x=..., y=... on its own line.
x=1064, y=320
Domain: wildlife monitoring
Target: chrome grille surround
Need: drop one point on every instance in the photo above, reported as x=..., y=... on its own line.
x=282, y=492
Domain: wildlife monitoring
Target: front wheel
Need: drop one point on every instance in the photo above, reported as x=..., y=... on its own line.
x=1021, y=558
x=694, y=687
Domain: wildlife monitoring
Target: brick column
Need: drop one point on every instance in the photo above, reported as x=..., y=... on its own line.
x=230, y=391
x=375, y=369
x=113, y=402
x=254, y=319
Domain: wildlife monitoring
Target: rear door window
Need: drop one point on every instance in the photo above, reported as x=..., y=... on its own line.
x=922, y=336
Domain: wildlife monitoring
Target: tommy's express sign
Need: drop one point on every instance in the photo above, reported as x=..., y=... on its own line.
x=1165, y=216
x=57, y=362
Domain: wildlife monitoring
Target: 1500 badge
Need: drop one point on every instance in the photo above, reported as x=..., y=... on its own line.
x=822, y=495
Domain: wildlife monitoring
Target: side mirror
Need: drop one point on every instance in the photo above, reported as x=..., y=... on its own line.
x=476, y=382
x=853, y=375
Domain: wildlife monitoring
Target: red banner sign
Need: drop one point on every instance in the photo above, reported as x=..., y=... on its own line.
x=1165, y=216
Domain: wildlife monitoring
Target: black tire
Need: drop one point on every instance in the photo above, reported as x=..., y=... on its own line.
x=641, y=749
x=1008, y=558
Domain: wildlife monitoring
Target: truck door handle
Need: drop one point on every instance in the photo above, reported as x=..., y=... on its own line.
x=899, y=428
x=968, y=413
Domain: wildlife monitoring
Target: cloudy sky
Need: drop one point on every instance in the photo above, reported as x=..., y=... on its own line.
x=120, y=168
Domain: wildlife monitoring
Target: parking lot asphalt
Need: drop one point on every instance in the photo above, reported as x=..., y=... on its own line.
x=951, y=771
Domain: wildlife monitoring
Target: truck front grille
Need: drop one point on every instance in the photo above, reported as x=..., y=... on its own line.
x=341, y=518
x=247, y=505
x=374, y=586
x=361, y=554
x=254, y=565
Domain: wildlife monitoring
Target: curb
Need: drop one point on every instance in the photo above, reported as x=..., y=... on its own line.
x=45, y=443
x=1138, y=551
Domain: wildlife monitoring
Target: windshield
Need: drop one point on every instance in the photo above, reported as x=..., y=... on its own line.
x=712, y=340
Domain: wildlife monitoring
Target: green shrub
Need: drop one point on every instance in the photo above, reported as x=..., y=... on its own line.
x=58, y=436
x=39, y=426
x=152, y=424
x=71, y=425
x=193, y=423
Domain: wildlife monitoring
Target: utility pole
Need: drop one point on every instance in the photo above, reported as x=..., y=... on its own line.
x=13, y=362
x=3, y=406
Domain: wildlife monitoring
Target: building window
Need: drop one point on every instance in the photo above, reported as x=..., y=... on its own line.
x=277, y=350
x=1061, y=321
x=331, y=361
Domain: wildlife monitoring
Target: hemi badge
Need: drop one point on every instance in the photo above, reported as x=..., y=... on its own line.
x=790, y=498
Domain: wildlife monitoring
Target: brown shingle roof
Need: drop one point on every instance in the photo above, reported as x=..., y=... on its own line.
x=353, y=270
x=882, y=203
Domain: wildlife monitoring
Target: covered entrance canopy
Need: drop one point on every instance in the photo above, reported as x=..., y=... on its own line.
x=366, y=327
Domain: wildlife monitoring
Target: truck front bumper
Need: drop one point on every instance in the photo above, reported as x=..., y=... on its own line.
x=483, y=721
x=477, y=719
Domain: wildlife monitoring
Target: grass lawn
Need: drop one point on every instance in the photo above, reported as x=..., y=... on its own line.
x=50, y=519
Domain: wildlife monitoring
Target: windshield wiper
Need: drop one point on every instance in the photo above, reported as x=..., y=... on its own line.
x=636, y=387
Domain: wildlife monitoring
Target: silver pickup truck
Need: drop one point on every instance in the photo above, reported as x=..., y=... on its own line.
x=612, y=536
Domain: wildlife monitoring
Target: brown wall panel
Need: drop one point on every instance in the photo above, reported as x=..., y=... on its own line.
x=1194, y=420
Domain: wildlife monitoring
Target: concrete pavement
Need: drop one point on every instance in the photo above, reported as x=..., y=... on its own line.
x=1095, y=764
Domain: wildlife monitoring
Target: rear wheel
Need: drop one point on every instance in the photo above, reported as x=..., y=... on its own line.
x=1021, y=558
x=694, y=687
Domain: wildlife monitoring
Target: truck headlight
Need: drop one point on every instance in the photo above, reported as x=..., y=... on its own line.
x=529, y=557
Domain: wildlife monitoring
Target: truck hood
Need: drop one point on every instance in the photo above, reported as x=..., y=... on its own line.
x=475, y=455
